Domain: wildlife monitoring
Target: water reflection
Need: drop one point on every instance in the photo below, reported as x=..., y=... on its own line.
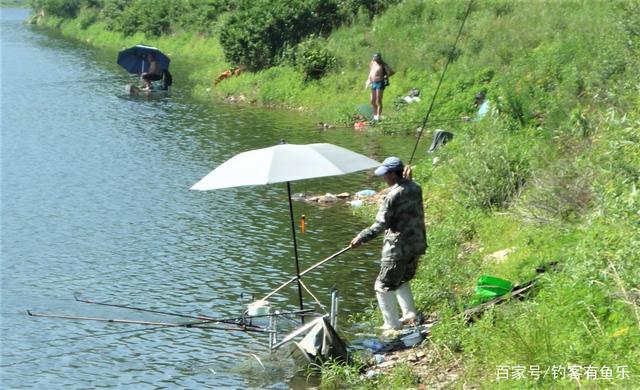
x=96, y=202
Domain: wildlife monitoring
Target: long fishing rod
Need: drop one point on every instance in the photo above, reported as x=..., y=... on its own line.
x=198, y=324
x=145, y=309
x=229, y=320
x=155, y=328
x=204, y=320
x=333, y=256
x=444, y=71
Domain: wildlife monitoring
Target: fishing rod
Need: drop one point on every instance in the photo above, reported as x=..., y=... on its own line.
x=444, y=71
x=333, y=256
x=198, y=324
x=231, y=320
x=145, y=309
x=148, y=330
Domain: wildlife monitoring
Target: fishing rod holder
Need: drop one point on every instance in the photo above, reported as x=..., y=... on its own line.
x=273, y=323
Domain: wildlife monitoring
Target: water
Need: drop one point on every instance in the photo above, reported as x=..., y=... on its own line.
x=96, y=202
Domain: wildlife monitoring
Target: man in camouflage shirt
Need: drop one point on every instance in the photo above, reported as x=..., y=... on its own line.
x=401, y=217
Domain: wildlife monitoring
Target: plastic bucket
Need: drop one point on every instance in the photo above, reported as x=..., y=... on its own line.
x=258, y=308
x=497, y=285
x=490, y=287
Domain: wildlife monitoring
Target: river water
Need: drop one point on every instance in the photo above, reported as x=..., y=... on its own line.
x=96, y=203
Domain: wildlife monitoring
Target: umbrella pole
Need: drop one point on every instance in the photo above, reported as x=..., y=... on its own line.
x=295, y=246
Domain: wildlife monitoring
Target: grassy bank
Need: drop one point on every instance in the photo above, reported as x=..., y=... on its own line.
x=550, y=175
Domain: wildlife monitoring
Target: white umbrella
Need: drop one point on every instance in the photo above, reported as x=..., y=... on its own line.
x=285, y=163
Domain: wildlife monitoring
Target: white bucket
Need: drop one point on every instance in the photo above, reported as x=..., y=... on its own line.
x=258, y=308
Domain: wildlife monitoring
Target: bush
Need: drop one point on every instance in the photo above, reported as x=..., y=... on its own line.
x=198, y=15
x=257, y=32
x=562, y=192
x=159, y=17
x=152, y=17
x=60, y=8
x=492, y=174
x=313, y=59
x=352, y=9
x=87, y=17
x=111, y=12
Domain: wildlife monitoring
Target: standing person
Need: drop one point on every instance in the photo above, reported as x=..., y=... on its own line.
x=153, y=73
x=401, y=217
x=379, y=73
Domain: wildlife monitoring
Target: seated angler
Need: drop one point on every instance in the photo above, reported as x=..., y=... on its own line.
x=154, y=72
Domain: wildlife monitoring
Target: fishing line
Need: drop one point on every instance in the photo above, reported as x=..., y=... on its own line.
x=444, y=71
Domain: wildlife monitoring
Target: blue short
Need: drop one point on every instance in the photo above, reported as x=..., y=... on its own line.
x=377, y=85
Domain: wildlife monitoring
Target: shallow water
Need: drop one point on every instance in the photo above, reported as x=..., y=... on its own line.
x=96, y=202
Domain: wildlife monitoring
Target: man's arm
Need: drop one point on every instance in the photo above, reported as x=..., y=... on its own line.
x=381, y=224
x=369, y=81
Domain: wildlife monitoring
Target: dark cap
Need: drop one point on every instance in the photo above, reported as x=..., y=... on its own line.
x=376, y=56
x=390, y=164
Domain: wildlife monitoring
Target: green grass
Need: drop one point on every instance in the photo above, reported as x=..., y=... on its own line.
x=553, y=174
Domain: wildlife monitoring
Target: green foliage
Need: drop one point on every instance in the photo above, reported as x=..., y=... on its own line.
x=257, y=32
x=402, y=377
x=491, y=174
x=152, y=17
x=87, y=17
x=352, y=10
x=562, y=192
x=336, y=374
x=59, y=8
x=200, y=16
x=313, y=58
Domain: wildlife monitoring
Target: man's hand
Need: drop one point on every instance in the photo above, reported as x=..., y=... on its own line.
x=355, y=242
x=406, y=173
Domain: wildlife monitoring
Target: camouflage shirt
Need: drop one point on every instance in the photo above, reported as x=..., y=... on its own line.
x=401, y=217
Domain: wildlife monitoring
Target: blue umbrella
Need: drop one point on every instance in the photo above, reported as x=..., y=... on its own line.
x=134, y=59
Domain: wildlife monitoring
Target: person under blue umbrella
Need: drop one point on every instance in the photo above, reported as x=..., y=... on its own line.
x=154, y=72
